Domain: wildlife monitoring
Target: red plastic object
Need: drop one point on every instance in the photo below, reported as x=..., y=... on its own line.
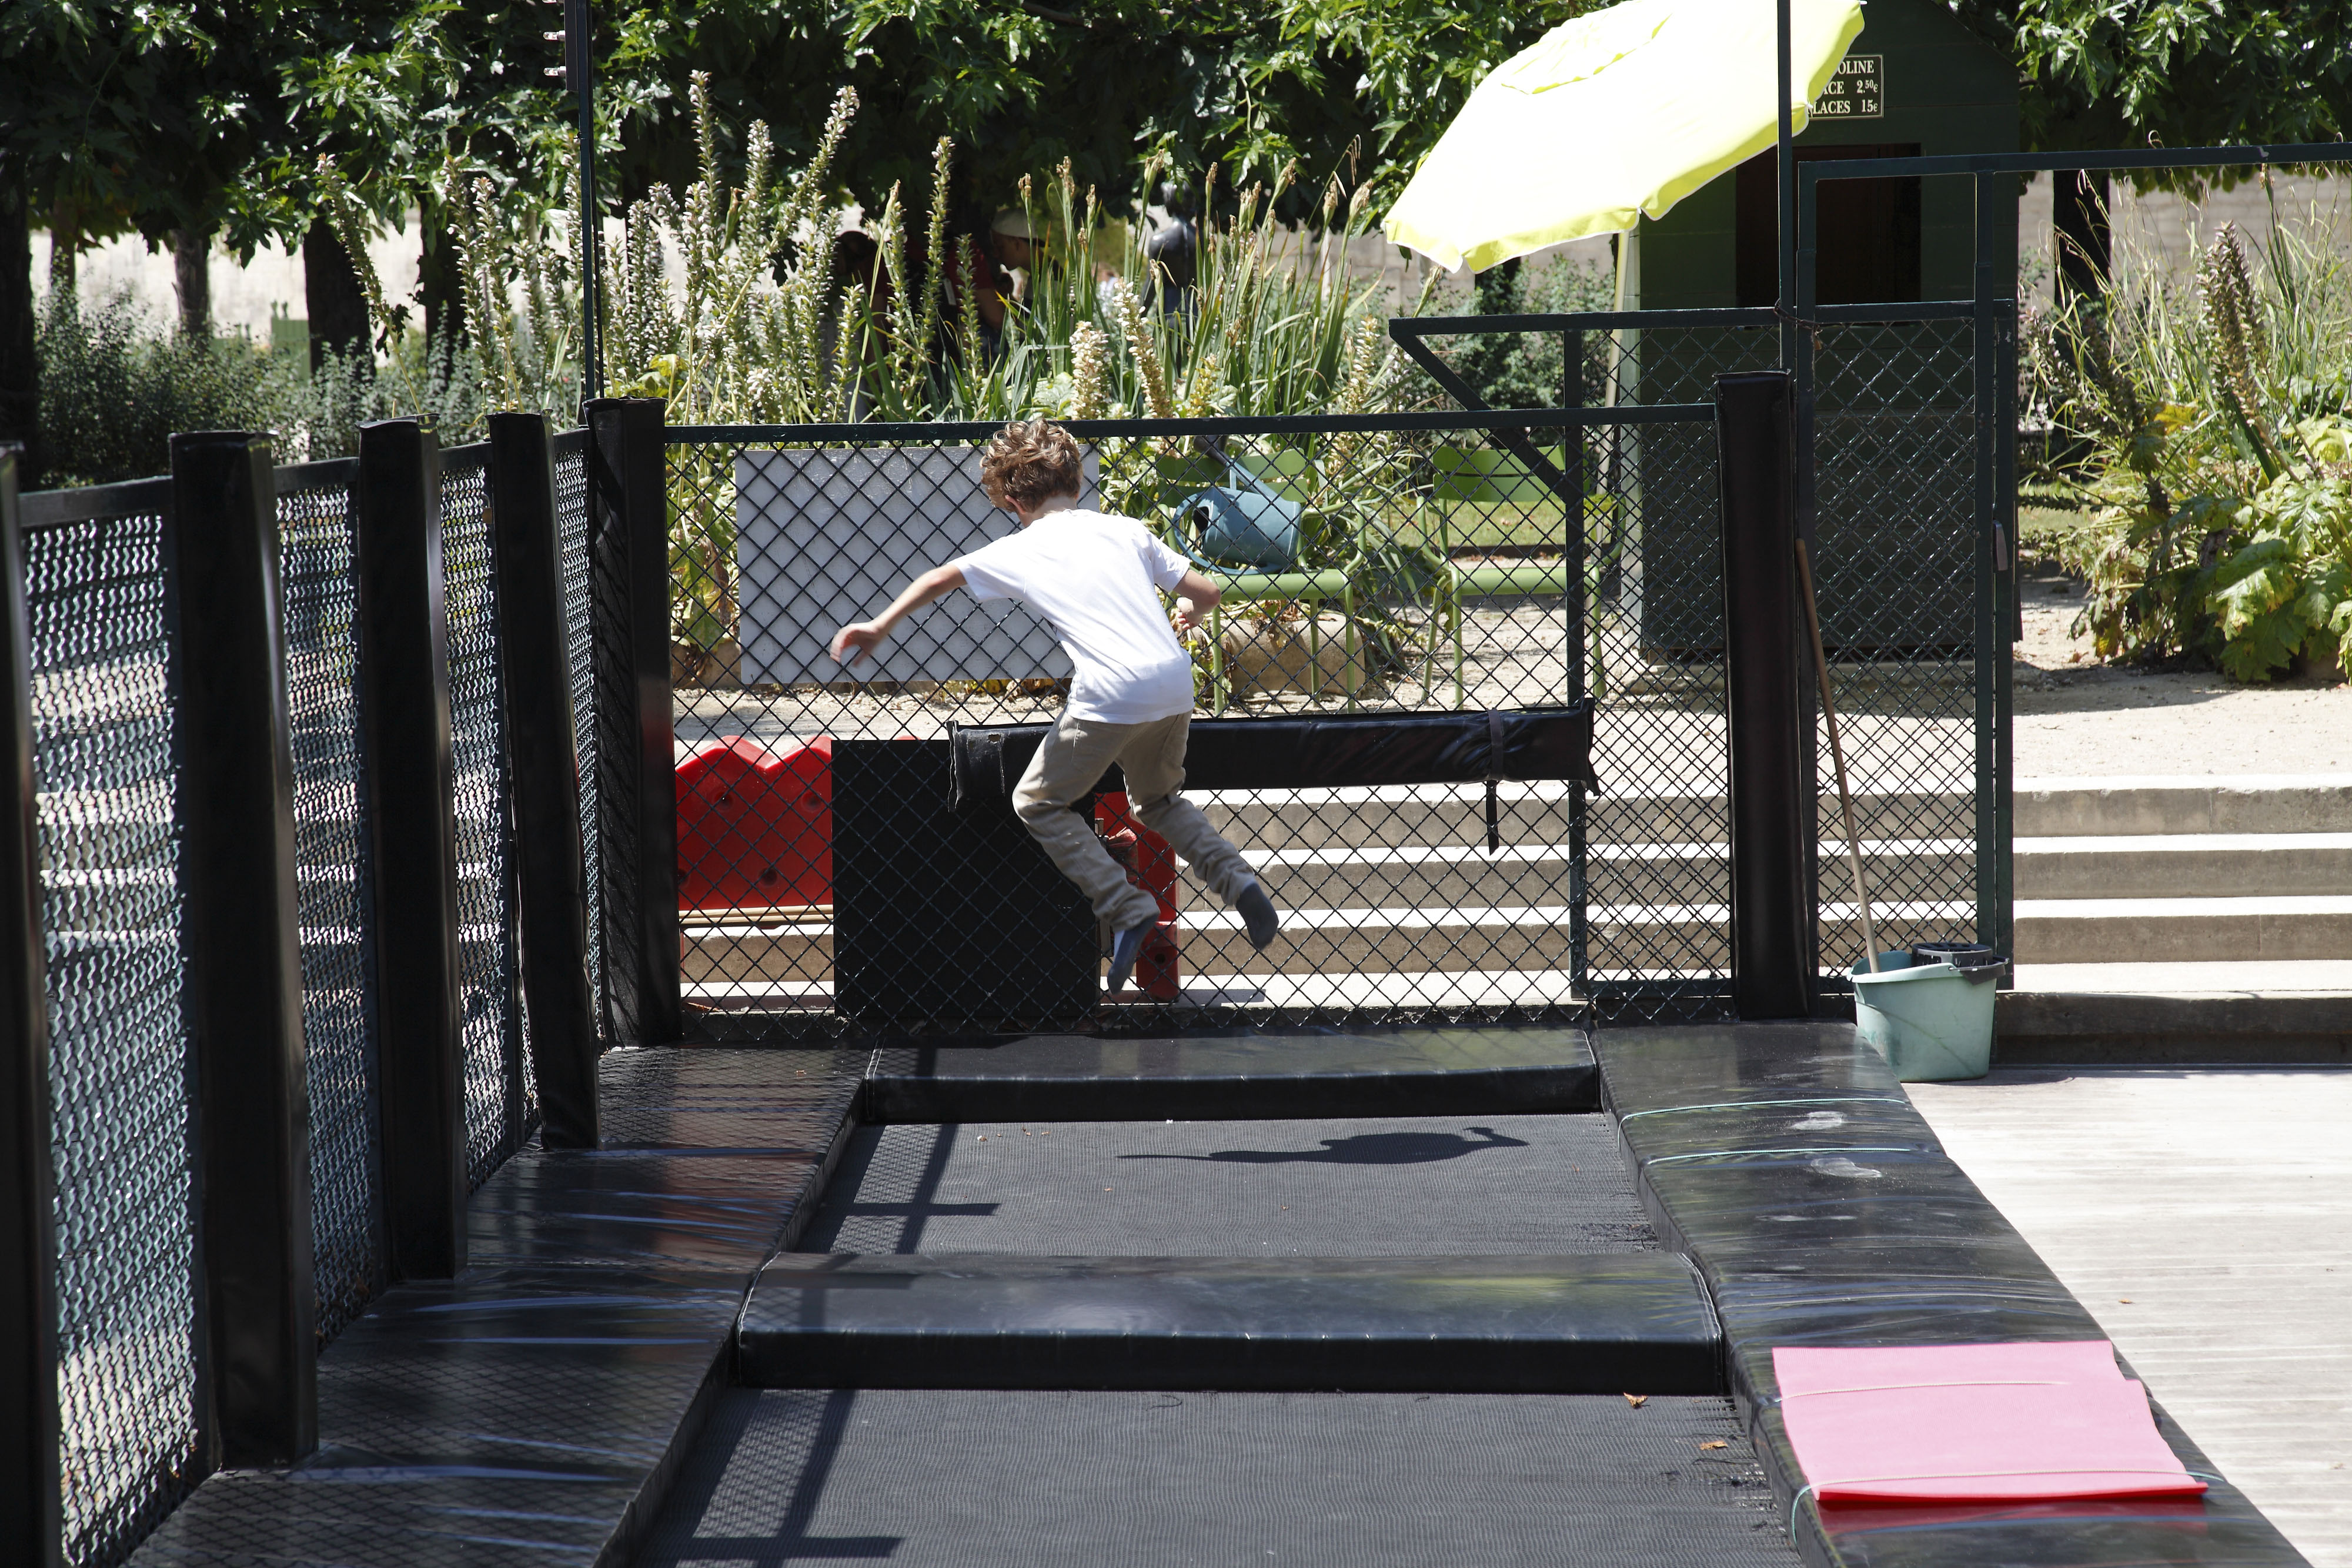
x=1151, y=866
x=755, y=829
x=1973, y=1423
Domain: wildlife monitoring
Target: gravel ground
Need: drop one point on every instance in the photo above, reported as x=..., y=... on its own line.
x=2077, y=719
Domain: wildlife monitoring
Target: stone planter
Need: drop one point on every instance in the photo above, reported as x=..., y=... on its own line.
x=1291, y=656
x=707, y=669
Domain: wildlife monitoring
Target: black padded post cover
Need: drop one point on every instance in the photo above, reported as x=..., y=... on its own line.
x=1770, y=739
x=936, y=915
x=1322, y=752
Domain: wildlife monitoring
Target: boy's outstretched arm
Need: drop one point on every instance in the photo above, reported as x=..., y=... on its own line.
x=853, y=641
x=1195, y=597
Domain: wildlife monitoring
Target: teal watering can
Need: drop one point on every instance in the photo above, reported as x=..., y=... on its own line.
x=1245, y=525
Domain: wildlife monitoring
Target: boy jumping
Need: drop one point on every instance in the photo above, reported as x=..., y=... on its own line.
x=1096, y=579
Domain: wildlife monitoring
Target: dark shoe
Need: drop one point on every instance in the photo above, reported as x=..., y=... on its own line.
x=1257, y=913
x=1126, y=947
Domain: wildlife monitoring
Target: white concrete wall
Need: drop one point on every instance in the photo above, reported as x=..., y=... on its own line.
x=2165, y=233
x=243, y=296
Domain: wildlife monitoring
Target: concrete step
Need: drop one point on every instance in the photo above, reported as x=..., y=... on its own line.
x=1389, y=816
x=1388, y=940
x=2184, y=866
x=2165, y=930
x=2240, y=803
x=1294, y=993
x=1435, y=876
x=2198, y=1013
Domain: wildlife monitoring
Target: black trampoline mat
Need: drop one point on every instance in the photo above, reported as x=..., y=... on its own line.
x=1218, y=1480
x=1387, y=1187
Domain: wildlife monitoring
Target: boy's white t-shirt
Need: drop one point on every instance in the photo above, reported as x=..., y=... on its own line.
x=1097, y=580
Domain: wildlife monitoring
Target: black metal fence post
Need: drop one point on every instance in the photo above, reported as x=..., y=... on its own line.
x=403, y=691
x=1577, y=550
x=31, y=1508
x=1771, y=913
x=628, y=533
x=543, y=751
x=257, y=1297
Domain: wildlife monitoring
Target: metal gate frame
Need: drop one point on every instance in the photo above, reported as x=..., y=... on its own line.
x=1993, y=313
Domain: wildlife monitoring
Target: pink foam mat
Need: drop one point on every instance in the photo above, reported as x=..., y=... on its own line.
x=1973, y=1423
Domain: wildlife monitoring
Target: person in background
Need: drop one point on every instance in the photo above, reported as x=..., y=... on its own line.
x=1173, y=250
x=996, y=272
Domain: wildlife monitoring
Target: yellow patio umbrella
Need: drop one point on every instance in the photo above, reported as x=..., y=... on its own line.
x=1620, y=112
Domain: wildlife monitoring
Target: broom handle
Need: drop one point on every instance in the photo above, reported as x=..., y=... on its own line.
x=1837, y=759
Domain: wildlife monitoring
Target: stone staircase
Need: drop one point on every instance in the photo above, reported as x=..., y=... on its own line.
x=2182, y=919
x=2155, y=916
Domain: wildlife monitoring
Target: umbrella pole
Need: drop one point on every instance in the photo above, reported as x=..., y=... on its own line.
x=1837, y=759
x=1785, y=121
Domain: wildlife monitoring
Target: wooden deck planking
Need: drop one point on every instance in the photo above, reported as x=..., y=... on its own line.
x=2205, y=1219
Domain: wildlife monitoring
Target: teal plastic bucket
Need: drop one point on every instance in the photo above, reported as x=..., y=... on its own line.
x=1931, y=1022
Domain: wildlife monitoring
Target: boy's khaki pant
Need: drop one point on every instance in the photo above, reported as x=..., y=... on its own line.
x=1076, y=753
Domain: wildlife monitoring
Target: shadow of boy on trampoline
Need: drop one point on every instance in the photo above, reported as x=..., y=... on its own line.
x=1364, y=1149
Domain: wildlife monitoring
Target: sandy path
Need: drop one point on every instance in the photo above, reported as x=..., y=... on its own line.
x=2076, y=718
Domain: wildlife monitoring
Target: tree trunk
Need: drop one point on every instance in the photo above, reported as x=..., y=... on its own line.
x=20, y=402
x=2079, y=224
x=440, y=284
x=192, y=269
x=65, y=239
x=332, y=296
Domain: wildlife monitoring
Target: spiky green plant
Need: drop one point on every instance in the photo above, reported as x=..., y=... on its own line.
x=2221, y=416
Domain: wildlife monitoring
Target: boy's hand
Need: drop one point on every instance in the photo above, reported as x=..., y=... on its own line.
x=1186, y=618
x=853, y=641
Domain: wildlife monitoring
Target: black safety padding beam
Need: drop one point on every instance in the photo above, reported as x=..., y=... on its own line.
x=543, y=759
x=936, y=914
x=242, y=972
x=1586, y=1324
x=628, y=541
x=1240, y=1077
x=1770, y=743
x=412, y=827
x=31, y=1516
x=1333, y=751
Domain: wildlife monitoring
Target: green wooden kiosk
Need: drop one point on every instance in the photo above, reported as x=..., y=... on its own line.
x=1893, y=400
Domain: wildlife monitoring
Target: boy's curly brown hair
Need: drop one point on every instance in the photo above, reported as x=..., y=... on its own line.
x=1029, y=461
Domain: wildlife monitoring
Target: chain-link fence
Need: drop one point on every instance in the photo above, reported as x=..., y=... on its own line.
x=1896, y=480
x=502, y=1107
x=119, y=1049
x=1896, y=504
x=579, y=621
x=332, y=865
x=123, y=1135
x=1382, y=565
x=1369, y=566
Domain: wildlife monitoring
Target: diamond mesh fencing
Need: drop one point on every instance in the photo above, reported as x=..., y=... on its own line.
x=1400, y=567
x=112, y=912
x=119, y=1052
x=572, y=531
x=317, y=563
x=500, y=1105
x=1895, y=472
x=1392, y=564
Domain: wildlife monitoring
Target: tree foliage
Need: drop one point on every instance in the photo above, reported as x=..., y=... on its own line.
x=2175, y=73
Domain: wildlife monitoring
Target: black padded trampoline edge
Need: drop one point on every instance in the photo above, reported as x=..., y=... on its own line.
x=1198, y=1078
x=647, y=1248
x=1801, y=1069
x=1235, y=1099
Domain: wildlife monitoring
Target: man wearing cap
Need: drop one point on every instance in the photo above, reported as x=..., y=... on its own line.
x=998, y=274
